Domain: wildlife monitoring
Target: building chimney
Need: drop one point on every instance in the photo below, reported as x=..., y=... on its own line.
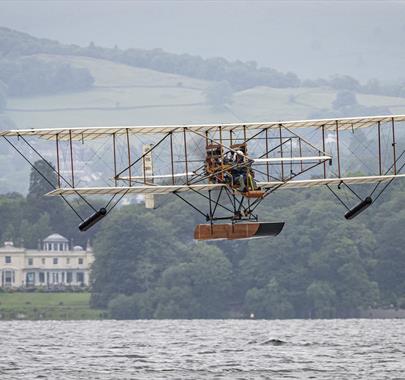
x=88, y=246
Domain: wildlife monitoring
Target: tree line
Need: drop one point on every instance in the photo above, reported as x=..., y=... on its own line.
x=238, y=74
x=148, y=266
x=320, y=266
x=29, y=76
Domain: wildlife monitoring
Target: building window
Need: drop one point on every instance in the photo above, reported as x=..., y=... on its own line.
x=60, y=246
x=43, y=261
x=55, y=277
x=41, y=277
x=80, y=261
x=8, y=277
x=30, y=278
x=69, y=277
x=67, y=261
x=30, y=261
x=80, y=277
x=8, y=259
x=55, y=260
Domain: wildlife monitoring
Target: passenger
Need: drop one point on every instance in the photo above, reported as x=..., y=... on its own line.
x=228, y=159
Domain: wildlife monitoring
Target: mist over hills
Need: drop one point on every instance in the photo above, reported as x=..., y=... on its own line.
x=314, y=39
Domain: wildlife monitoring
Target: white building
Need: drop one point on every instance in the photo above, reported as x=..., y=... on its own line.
x=55, y=265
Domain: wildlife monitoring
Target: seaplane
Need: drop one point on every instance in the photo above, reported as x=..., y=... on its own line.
x=232, y=167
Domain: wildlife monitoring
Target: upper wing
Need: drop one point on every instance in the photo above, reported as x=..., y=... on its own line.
x=91, y=133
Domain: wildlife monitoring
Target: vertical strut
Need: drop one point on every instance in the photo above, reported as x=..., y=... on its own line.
x=300, y=147
x=337, y=147
x=393, y=145
x=71, y=157
x=210, y=200
x=323, y=149
x=144, y=165
x=185, y=153
x=222, y=152
x=291, y=154
x=267, y=155
x=379, y=147
x=129, y=158
x=57, y=158
x=281, y=153
x=171, y=156
x=115, y=160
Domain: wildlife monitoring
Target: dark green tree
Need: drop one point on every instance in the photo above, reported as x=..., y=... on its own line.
x=132, y=249
x=322, y=299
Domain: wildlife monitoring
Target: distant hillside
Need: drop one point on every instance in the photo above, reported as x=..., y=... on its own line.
x=240, y=75
x=126, y=94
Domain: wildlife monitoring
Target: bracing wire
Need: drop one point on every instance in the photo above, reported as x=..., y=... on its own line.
x=54, y=170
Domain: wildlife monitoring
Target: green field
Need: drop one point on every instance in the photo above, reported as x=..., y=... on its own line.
x=55, y=306
x=125, y=95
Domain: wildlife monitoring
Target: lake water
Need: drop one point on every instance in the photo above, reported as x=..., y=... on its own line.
x=203, y=349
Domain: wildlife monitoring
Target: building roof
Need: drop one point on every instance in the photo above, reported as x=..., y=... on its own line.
x=56, y=238
x=10, y=249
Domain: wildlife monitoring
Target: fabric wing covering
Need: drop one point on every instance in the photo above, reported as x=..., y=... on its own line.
x=297, y=184
x=91, y=133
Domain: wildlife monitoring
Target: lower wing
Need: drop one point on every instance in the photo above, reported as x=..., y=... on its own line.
x=167, y=189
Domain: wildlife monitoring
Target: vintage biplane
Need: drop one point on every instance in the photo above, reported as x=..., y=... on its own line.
x=233, y=167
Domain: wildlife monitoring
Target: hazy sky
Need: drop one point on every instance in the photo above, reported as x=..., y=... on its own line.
x=315, y=38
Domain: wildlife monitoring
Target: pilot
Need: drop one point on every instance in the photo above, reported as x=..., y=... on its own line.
x=239, y=157
x=240, y=170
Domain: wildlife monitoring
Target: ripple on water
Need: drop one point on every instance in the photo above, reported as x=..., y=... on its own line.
x=233, y=349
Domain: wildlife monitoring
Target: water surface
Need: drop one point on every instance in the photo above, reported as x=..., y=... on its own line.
x=203, y=349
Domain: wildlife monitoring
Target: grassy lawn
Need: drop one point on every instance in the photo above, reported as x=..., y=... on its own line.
x=58, y=306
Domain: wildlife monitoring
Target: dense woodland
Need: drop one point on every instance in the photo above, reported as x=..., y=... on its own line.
x=148, y=266
x=27, y=219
